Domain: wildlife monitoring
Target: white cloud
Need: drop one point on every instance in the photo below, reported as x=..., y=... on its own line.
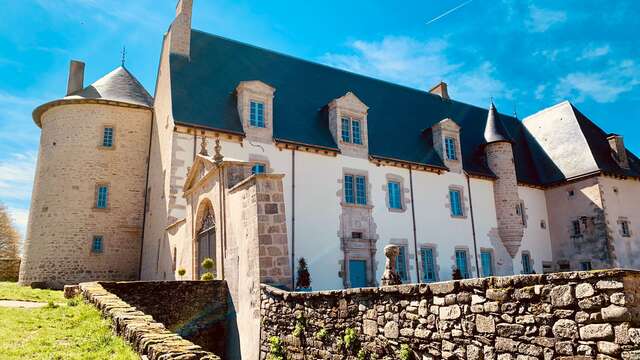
x=552, y=54
x=595, y=52
x=20, y=219
x=16, y=176
x=420, y=64
x=541, y=20
x=602, y=87
x=539, y=92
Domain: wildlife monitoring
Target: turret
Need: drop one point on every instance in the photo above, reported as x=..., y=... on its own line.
x=499, y=154
x=87, y=204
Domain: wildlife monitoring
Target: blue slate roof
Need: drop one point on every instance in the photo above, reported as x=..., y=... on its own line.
x=203, y=94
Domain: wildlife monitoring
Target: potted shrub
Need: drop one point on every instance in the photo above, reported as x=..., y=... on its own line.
x=303, y=281
x=181, y=272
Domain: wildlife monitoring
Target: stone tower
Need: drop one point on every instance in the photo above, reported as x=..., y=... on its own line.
x=499, y=153
x=88, y=198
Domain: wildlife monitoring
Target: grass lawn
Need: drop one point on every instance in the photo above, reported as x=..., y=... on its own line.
x=74, y=330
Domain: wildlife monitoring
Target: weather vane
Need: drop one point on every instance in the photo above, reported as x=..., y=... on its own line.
x=124, y=54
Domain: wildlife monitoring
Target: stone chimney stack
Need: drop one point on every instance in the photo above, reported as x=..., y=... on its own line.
x=499, y=153
x=617, y=145
x=76, y=77
x=180, y=31
x=440, y=90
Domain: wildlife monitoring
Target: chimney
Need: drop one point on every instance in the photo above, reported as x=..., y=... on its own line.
x=76, y=77
x=440, y=90
x=181, y=28
x=616, y=142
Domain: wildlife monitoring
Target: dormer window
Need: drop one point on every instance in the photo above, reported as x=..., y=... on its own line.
x=348, y=125
x=346, y=135
x=450, y=147
x=256, y=115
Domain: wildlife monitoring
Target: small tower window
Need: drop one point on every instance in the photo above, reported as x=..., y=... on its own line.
x=96, y=244
x=624, y=225
x=256, y=115
x=450, y=147
x=102, y=198
x=107, y=137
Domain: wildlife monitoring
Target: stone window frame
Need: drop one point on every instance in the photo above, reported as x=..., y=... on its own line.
x=521, y=210
x=354, y=173
x=351, y=118
x=622, y=220
x=492, y=252
x=92, y=240
x=95, y=196
x=256, y=91
x=470, y=264
x=260, y=159
x=463, y=201
x=448, y=128
x=436, y=263
x=531, y=261
x=404, y=199
x=351, y=107
x=408, y=254
x=113, y=137
x=454, y=156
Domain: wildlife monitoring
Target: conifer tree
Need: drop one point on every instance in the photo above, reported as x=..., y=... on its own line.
x=304, y=278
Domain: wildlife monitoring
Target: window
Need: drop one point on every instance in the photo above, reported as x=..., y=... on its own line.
x=348, y=189
x=624, y=225
x=96, y=244
x=258, y=168
x=526, y=263
x=351, y=131
x=462, y=264
x=487, y=263
x=575, y=228
x=585, y=265
x=450, y=147
x=543, y=224
x=520, y=212
x=346, y=137
x=395, y=201
x=107, y=137
x=455, y=199
x=356, y=235
x=572, y=193
x=361, y=190
x=256, y=115
x=547, y=267
x=428, y=265
x=103, y=197
x=563, y=265
x=355, y=127
x=401, y=264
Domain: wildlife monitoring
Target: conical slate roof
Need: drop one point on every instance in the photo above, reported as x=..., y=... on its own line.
x=119, y=87
x=494, y=130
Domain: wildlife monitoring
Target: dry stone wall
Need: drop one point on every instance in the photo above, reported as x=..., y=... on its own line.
x=148, y=337
x=578, y=315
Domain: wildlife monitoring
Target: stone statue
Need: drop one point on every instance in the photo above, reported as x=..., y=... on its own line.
x=390, y=276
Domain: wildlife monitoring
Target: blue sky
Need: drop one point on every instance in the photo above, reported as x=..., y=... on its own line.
x=527, y=55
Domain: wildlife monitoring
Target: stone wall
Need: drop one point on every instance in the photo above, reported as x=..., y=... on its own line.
x=584, y=315
x=151, y=339
x=195, y=310
x=9, y=269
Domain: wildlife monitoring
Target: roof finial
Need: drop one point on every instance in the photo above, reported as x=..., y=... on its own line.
x=124, y=55
x=203, y=146
x=515, y=110
x=217, y=158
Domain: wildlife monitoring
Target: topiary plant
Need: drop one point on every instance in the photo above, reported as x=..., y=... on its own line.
x=208, y=264
x=206, y=276
x=181, y=272
x=303, y=281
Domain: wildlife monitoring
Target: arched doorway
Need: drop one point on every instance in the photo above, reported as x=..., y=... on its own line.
x=206, y=241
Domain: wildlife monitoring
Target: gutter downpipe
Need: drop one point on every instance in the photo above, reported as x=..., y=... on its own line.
x=146, y=195
x=413, y=218
x=473, y=225
x=293, y=218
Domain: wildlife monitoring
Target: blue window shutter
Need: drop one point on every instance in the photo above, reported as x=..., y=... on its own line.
x=401, y=264
x=345, y=130
x=461, y=263
x=348, y=189
x=487, y=263
x=450, y=147
x=258, y=169
x=428, y=265
x=357, y=138
x=394, y=195
x=456, y=202
x=361, y=190
x=526, y=263
x=256, y=114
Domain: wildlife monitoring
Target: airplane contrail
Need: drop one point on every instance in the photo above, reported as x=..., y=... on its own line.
x=449, y=12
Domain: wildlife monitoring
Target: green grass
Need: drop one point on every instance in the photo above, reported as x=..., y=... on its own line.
x=73, y=330
x=13, y=291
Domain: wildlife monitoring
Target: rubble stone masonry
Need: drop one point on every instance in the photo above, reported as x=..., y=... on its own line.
x=576, y=315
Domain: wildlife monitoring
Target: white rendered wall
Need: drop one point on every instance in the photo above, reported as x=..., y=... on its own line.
x=536, y=240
